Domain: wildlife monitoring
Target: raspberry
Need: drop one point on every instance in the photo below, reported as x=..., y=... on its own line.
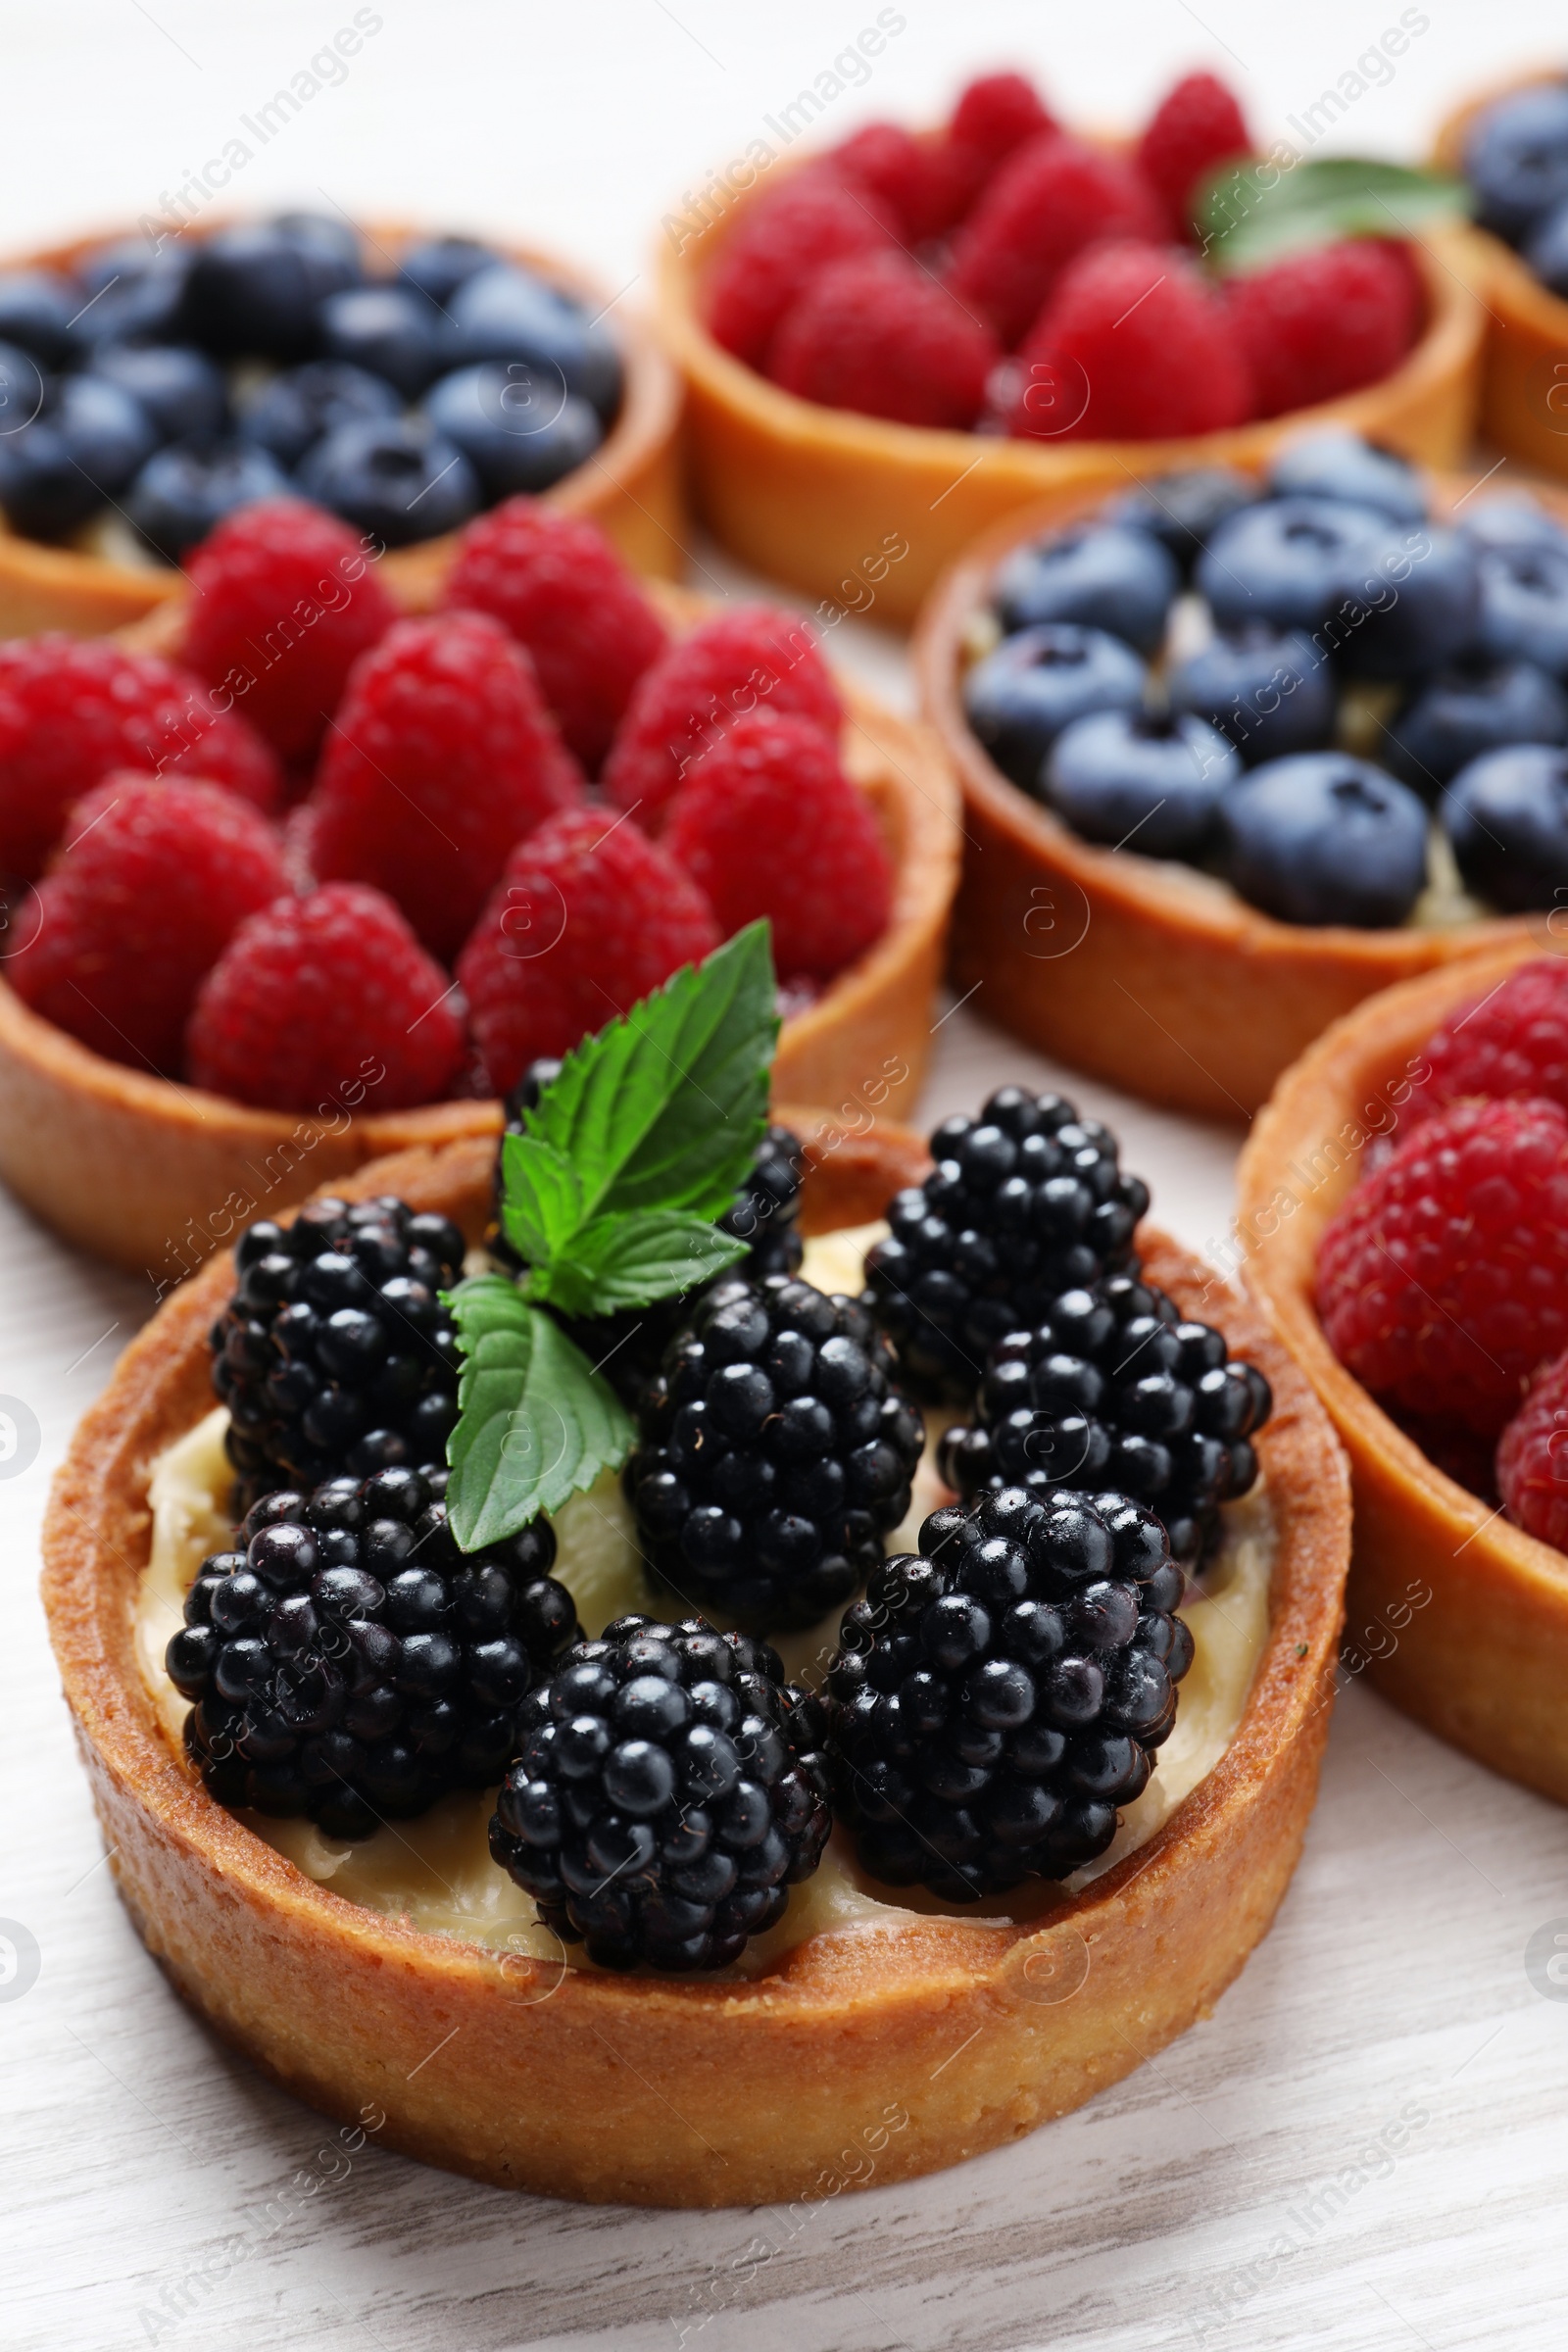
x=559, y=586
x=282, y=605
x=1049, y=201
x=1327, y=322
x=726, y=667
x=880, y=335
x=588, y=916
x=909, y=176
x=767, y=823
x=1513, y=1041
x=139, y=907
x=1443, y=1280
x=1533, y=1459
x=1133, y=346
x=442, y=755
x=785, y=235
x=1195, y=127
x=314, y=998
x=73, y=709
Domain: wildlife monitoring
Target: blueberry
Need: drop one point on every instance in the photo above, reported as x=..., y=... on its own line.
x=184, y=492
x=438, y=265
x=36, y=310
x=83, y=445
x=1524, y=604
x=1546, y=252
x=1340, y=464
x=1283, y=561
x=396, y=482
x=505, y=313
x=1020, y=697
x=1516, y=159
x=1408, y=604
x=131, y=294
x=1512, y=519
x=294, y=411
x=1269, y=692
x=1507, y=815
x=1103, y=576
x=1147, y=782
x=389, y=331
x=254, y=290
x=332, y=242
x=515, y=426
x=182, y=390
x=22, y=387
x=1184, y=510
x=1472, y=706
x=1325, y=839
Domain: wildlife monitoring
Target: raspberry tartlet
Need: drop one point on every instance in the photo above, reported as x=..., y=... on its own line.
x=657, y=1977
x=360, y=352
x=1221, y=740
x=541, y=790
x=1400, y=1218
x=891, y=343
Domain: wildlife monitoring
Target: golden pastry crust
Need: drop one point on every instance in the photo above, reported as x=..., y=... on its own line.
x=820, y=496
x=1140, y=971
x=154, y=1176
x=581, y=2084
x=1461, y=1618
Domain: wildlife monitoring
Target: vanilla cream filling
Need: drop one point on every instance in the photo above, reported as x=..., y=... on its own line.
x=437, y=1871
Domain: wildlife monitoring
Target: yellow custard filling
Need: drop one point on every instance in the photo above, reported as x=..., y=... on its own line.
x=437, y=1871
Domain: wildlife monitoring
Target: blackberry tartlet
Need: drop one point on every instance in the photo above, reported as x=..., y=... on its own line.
x=669, y=1790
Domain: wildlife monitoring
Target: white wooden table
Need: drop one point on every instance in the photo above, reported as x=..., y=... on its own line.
x=1365, y=2146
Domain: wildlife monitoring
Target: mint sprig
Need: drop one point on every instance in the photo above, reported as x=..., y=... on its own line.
x=610, y=1196
x=1253, y=214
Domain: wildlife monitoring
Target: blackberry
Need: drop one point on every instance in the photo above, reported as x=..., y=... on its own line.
x=1113, y=1389
x=628, y=1346
x=669, y=1790
x=774, y=1453
x=335, y=1354
x=348, y=1662
x=994, y=1698
x=1023, y=1202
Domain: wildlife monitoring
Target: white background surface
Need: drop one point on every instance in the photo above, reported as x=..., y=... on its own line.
x=1392, y=1986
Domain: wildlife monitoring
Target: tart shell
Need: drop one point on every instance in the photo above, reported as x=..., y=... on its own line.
x=1138, y=971
x=154, y=1176
x=1458, y=1617
x=825, y=498
x=926, y=2040
x=630, y=487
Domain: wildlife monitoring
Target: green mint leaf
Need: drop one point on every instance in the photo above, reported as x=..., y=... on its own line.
x=537, y=1422
x=631, y=1261
x=1253, y=214
x=542, y=1205
x=664, y=1107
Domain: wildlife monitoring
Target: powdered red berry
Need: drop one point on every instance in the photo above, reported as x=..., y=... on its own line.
x=324, y=994
x=1513, y=1041
x=784, y=237
x=750, y=658
x=441, y=756
x=1442, y=1279
x=1533, y=1459
x=1324, y=323
x=588, y=916
x=1049, y=201
x=558, y=585
x=880, y=335
x=283, y=602
x=73, y=709
x=1195, y=127
x=1135, y=346
x=767, y=823
x=139, y=903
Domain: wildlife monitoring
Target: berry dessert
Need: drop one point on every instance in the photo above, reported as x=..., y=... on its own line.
x=493, y=823
x=1238, y=749
x=938, y=326
x=420, y=1733
x=1401, y=1212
